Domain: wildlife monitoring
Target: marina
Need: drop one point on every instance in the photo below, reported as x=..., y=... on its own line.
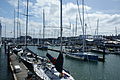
x=59, y=40
x=87, y=70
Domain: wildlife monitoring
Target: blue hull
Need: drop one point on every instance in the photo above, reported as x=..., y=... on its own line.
x=43, y=47
x=28, y=65
x=84, y=56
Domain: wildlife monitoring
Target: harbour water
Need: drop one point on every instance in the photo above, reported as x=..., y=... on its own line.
x=84, y=70
x=80, y=70
x=5, y=73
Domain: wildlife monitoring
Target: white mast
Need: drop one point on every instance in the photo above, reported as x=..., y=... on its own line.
x=17, y=20
x=61, y=26
x=39, y=36
x=5, y=31
x=73, y=30
x=14, y=26
x=116, y=31
x=76, y=26
x=43, y=26
x=83, y=25
x=26, y=24
x=97, y=27
x=0, y=33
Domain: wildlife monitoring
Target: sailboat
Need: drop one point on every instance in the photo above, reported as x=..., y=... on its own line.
x=43, y=46
x=53, y=69
x=25, y=55
x=82, y=55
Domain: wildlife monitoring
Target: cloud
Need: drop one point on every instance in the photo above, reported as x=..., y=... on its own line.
x=116, y=0
x=52, y=17
x=13, y=2
x=115, y=19
x=107, y=22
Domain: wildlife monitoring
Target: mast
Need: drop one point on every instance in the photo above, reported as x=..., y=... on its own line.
x=97, y=27
x=17, y=20
x=85, y=30
x=73, y=30
x=61, y=26
x=39, y=37
x=70, y=29
x=76, y=26
x=19, y=30
x=26, y=25
x=83, y=25
x=116, y=31
x=14, y=26
x=5, y=32
x=0, y=33
x=43, y=26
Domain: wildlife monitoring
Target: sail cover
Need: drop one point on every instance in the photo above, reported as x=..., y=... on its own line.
x=57, y=62
x=52, y=59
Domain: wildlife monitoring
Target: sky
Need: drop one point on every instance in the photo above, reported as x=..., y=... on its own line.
x=106, y=11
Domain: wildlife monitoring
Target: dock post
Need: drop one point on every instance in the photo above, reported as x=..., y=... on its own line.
x=103, y=52
x=8, y=59
x=5, y=46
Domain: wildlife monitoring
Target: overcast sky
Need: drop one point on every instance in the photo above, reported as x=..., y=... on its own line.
x=107, y=11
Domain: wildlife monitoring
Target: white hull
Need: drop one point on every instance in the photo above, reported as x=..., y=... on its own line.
x=0, y=45
x=50, y=73
x=40, y=73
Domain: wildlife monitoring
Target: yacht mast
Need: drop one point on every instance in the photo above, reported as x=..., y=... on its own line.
x=61, y=26
x=14, y=26
x=76, y=26
x=39, y=37
x=0, y=33
x=26, y=25
x=5, y=31
x=43, y=26
x=17, y=20
x=116, y=31
x=83, y=25
x=97, y=27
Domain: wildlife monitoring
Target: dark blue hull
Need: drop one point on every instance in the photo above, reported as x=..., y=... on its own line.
x=28, y=65
x=43, y=47
x=84, y=56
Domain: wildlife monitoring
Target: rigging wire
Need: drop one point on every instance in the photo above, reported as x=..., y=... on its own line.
x=79, y=13
x=89, y=24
